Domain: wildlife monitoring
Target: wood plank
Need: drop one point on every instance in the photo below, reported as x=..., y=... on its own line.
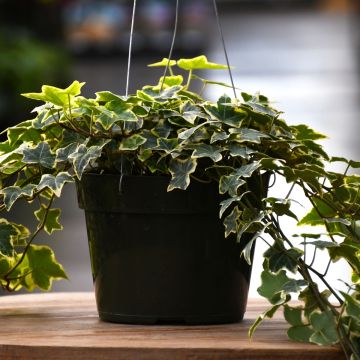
x=66, y=326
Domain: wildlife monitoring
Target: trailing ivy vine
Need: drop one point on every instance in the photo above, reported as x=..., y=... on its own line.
x=169, y=130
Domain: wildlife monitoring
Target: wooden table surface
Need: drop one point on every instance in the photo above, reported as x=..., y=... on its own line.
x=66, y=326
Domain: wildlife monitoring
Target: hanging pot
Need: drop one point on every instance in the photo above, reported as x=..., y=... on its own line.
x=161, y=257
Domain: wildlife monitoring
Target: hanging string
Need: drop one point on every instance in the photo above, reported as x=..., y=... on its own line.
x=130, y=49
x=172, y=44
x=224, y=46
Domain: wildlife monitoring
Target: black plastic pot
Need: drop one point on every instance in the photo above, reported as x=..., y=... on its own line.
x=161, y=257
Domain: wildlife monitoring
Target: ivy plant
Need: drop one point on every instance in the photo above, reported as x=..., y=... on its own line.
x=169, y=130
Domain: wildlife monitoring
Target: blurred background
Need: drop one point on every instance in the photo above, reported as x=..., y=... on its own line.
x=303, y=54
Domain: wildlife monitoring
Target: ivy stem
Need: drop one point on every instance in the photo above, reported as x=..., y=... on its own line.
x=39, y=228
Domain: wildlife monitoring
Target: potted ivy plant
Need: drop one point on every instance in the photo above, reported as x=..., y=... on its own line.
x=155, y=171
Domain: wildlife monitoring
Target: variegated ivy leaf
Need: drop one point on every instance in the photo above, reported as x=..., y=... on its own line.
x=185, y=135
x=83, y=155
x=266, y=314
x=248, y=169
x=167, y=145
x=218, y=136
x=325, y=329
x=57, y=96
x=247, y=135
x=240, y=150
x=151, y=140
x=180, y=173
x=63, y=154
x=224, y=205
x=170, y=92
x=204, y=150
x=52, y=218
x=171, y=80
x=23, y=134
x=122, y=111
x=230, y=184
x=43, y=268
x=55, y=183
x=7, y=231
x=199, y=62
x=132, y=142
x=13, y=193
x=231, y=221
x=272, y=285
x=190, y=112
x=114, y=113
x=47, y=118
x=257, y=220
x=164, y=62
x=41, y=155
x=279, y=257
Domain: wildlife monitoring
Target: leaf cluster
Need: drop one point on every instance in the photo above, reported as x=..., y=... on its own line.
x=168, y=130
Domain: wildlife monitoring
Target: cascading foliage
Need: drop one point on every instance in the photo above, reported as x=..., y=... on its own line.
x=167, y=129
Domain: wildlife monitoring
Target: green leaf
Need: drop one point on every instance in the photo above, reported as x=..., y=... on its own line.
x=199, y=62
x=241, y=150
x=164, y=62
x=5, y=265
x=279, y=257
x=169, y=93
x=180, y=173
x=191, y=112
x=231, y=221
x=41, y=155
x=23, y=134
x=352, y=306
x=281, y=207
x=303, y=132
x=121, y=111
x=293, y=315
x=204, y=150
x=313, y=218
x=273, y=284
x=62, y=154
x=132, y=142
x=185, y=135
x=310, y=300
x=324, y=326
x=230, y=184
x=167, y=145
x=247, y=170
x=247, y=135
x=13, y=193
x=321, y=244
x=55, y=183
x=43, y=268
x=226, y=203
x=266, y=314
x=7, y=231
x=57, y=96
x=218, y=136
x=52, y=219
x=300, y=333
x=348, y=250
x=82, y=157
x=247, y=251
x=107, y=96
x=171, y=80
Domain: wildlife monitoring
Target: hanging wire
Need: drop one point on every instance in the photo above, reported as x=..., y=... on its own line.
x=172, y=44
x=130, y=49
x=127, y=86
x=224, y=46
